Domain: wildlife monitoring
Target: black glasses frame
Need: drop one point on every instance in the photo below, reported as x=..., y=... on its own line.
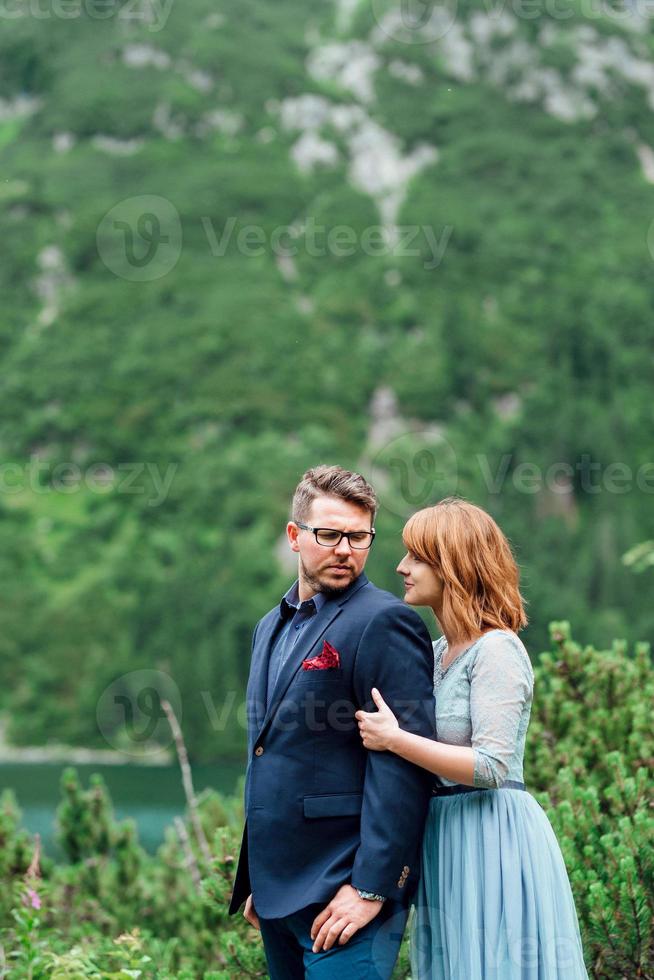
x=343, y=534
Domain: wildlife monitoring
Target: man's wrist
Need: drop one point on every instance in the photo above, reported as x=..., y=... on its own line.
x=370, y=896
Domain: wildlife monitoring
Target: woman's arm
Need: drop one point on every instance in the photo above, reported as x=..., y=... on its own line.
x=381, y=732
x=455, y=762
x=501, y=684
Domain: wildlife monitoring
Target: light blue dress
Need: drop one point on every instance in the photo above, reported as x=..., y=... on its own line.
x=494, y=900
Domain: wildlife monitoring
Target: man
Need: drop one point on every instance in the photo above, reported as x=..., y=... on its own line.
x=330, y=852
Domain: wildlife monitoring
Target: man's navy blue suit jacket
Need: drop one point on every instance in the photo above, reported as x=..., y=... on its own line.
x=321, y=810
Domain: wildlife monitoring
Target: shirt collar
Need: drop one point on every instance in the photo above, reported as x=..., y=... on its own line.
x=291, y=601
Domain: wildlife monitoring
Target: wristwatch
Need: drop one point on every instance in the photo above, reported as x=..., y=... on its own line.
x=371, y=896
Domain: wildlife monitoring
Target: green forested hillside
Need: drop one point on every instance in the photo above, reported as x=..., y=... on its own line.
x=174, y=356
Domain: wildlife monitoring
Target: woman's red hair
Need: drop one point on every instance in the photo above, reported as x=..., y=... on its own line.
x=474, y=559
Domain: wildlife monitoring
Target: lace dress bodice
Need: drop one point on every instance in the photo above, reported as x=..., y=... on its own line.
x=483, y=699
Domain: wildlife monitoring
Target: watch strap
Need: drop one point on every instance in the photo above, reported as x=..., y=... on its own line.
x=370, y=896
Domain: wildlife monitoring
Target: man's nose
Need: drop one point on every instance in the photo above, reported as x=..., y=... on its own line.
x=344, y=547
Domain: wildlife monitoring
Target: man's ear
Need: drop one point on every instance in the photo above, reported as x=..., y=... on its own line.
x=292, y=531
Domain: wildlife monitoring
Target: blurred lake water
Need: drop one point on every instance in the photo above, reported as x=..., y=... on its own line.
x=151, y=795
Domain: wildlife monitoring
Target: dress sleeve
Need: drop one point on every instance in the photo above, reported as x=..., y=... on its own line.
x=501, y=683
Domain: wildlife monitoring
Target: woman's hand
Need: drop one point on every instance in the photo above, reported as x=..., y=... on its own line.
x=378, y=729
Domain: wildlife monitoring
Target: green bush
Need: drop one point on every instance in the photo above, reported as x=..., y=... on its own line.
x=113, y=908
x=590, y=751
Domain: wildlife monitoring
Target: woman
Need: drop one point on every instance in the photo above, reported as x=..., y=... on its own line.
x=494, y=901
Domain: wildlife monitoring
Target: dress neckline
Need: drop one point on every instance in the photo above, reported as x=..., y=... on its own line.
x=463, y=652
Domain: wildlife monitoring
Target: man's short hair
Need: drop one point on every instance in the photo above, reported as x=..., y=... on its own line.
x=332, y=481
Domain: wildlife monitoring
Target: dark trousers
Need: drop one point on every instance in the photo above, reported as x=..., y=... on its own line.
x=369, y=955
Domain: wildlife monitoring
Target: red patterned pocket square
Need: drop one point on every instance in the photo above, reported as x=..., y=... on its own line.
x=328, y=659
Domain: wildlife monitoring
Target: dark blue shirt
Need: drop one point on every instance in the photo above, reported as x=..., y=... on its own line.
x=296, y=615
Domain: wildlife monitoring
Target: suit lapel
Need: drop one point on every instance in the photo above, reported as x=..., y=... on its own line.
x=258, y=693
x=311, y=635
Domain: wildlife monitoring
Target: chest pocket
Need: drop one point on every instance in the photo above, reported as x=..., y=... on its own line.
x=315, y=677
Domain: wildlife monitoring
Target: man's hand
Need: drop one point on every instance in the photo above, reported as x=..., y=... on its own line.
x=346, y=914
x=249, y=913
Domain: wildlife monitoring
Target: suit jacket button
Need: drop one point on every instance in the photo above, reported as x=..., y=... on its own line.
x=259, y=750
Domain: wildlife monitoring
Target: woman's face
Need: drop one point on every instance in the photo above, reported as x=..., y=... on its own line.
x=423, y=586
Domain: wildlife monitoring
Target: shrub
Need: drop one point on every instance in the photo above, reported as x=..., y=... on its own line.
x=590, y=751
x=114, y=911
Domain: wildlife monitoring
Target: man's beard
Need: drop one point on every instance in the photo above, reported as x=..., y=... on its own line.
x=316, y=583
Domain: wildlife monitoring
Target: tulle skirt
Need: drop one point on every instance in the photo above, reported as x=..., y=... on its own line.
x=494, y=900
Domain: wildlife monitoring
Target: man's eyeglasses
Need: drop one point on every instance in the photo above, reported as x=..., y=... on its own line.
x=328, y=537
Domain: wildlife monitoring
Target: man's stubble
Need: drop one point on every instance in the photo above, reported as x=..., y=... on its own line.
x=316, y=583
